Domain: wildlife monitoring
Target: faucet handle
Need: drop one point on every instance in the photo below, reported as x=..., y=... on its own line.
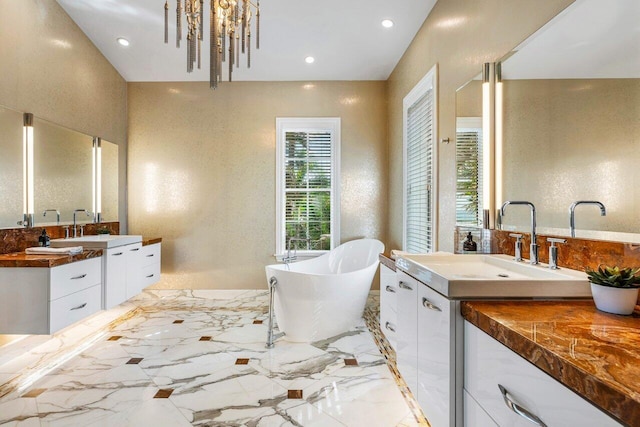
x=553, y=252
x=518, y=247
x=66, y=231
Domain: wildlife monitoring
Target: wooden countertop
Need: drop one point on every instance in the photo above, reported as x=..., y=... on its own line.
x=21, y=259
x=151, y=240
x=595, y=354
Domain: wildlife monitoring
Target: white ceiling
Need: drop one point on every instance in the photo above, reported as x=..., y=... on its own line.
x=345, y=37
x=590, y=39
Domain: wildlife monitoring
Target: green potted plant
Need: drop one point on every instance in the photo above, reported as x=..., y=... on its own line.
x=614, y=289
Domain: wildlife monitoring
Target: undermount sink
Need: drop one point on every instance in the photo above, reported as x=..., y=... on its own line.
x=493, y=276
x=99, y=241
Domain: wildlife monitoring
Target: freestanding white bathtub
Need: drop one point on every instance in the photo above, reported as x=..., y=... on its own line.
x=324, y=296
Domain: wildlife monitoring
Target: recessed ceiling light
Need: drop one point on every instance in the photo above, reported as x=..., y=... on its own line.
x=122, y=41
x=309, y=59
x=387, y=23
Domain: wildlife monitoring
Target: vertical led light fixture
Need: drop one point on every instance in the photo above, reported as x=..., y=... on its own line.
x=27, y=169
x=97, y=179
x=498, y=137
x=487, y=145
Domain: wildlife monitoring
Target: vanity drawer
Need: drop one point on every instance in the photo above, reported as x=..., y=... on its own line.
x=474, y=415
x=488, y=364
x=73, y=277
x=72, y=308
x=150, y=275
x=150, y=254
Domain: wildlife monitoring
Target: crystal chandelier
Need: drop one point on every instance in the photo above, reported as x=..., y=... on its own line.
x=230, y=30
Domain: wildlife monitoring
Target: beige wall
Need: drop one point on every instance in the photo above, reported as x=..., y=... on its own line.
x=569, y=140
x=202, y=171
x=458, y=36
x=48, y=67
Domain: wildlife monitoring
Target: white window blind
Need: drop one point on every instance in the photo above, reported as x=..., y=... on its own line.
x=420, y=165
x=307, y=183
x=469, y=176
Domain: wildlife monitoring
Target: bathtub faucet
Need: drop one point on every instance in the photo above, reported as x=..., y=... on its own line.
x=293, y=257
x=271, y=337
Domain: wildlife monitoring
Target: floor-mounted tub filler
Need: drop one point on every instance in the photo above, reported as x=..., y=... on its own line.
x=324, y=296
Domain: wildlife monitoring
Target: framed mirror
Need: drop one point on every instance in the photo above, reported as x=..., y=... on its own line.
x=11, y=189
x=571, y=128
x=63, y=174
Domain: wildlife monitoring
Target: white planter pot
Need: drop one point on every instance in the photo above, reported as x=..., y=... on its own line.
x=614, y=300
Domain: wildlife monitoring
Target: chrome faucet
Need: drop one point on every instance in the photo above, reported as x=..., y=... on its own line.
x=75, y=231
x=44, y=213
x=293, y=257
x=572, y=213
x=533, y=248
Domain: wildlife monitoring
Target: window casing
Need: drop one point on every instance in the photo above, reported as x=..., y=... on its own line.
x=307, y=181
x=420, y=166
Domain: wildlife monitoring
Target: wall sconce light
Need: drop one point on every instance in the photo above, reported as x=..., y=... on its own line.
x=27, y=170
x=487, y=146
x=97, y=179
x=498, y=137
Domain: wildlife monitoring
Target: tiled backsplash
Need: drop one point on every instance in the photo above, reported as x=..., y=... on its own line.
x=18, y=239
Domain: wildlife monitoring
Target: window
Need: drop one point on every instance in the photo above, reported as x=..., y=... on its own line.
x=420, y=164
x=307, y=167
x=469, y=171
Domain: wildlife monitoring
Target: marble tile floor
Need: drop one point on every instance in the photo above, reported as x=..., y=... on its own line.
x=183, y=358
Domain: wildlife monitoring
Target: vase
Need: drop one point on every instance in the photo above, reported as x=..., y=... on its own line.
x=614, y=300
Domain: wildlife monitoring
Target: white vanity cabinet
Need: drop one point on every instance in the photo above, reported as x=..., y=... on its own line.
x=150, y=265
x=436, y=356
x=407, y=332
x=389, y=304
x=122, y=279
x=43, y=300
x=539, y=398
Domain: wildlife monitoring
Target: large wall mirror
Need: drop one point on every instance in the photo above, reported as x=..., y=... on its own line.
x=11, y=189
x=63, y=171
x=567, y=123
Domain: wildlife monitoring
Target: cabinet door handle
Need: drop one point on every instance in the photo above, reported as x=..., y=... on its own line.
x=134, y=249
x=405, y=286
x=117, y=254
x=428, y=304
x=150, y=255
x=390, y=289
x=82, y=276
x=523, y=412
x=78, y=307
x=149, y=276
x=390, y=327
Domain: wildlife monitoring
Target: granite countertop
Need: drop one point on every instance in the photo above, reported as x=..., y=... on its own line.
x=21, y=259
x=595, y=354
x=151, y=240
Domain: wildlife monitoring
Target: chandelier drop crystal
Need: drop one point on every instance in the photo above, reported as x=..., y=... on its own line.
x=230, y=31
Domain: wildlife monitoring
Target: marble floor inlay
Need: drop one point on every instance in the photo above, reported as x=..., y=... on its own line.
x=165, y=372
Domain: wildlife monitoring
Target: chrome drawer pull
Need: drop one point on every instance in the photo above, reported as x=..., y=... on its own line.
x=149, y=276
x=428, y=304
x=524, y=413
x=134, y=249
x=82, y=276
x=390, y=289
x=119, y=253
x=149, y=255
x=79, y=307
x=405, y=286
x=390, y=327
